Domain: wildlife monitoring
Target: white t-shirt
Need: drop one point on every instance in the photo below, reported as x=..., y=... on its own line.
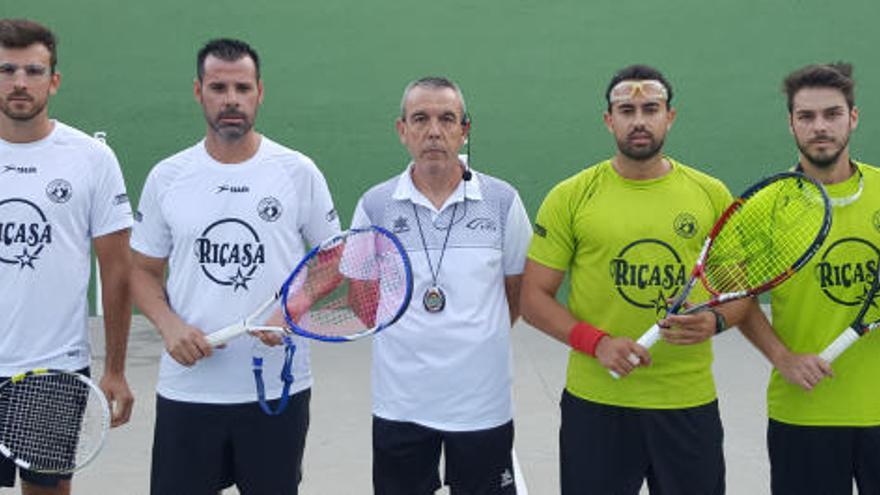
x=450, y=370
x=231, y=234
x=56, y=195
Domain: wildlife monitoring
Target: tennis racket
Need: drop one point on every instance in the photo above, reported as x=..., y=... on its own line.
x=867, y=320
x=350, y=286
x=767, y=234
x=52, y=421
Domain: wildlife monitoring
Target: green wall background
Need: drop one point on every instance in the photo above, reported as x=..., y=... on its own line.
x=533, y=73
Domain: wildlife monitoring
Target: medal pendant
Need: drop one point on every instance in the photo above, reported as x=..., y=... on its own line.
x=434, y=299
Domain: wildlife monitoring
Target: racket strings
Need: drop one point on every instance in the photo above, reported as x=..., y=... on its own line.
x=766, y=236
x=369, y=278
x=50, y=422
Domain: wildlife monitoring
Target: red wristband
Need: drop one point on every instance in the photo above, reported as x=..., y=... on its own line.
x=585, y=337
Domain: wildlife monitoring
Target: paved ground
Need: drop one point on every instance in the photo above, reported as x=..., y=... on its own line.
x=338, y=449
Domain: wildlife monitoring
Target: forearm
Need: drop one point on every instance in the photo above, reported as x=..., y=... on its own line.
x=545, y=313
x=116, y=300
x=755, y=326
x=149, y=296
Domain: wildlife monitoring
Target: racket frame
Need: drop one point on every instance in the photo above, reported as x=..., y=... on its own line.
x=652, y=335
x=228, y=333
x=105, y=420
x=858, y=328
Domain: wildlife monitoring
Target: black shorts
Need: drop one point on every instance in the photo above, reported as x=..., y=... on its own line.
x=204, y=448
x=9, y=468
x=607, y=450
x=823, y=459
x=406, y=459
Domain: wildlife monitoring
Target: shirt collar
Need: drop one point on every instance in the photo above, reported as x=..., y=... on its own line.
x=406, y=189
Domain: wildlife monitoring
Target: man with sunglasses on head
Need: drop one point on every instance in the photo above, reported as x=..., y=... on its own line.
x=61, y=192
x=626, y=230
x=824, y=428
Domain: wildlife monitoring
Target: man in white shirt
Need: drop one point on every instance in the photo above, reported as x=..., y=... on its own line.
x=229, y=218
x=60, y=193
x=442, y=374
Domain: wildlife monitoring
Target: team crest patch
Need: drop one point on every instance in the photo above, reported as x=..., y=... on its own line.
x=269, y=209
x=876, y=220
x=59, y=191
x=331, y=215
x=685, y=225
x=401, y=225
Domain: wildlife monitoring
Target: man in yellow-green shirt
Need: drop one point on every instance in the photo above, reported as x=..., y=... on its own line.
x=628, y=231
x=824, y=429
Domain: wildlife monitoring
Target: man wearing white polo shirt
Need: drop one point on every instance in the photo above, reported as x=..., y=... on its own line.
x=442, y=374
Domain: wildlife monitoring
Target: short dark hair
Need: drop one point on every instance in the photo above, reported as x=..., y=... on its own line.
x=638, y=72
x=22, y=33
x=227, y=49
x=836, y=75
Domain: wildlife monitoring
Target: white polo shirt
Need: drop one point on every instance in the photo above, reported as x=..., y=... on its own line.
x=56, y=195
x=450, y=370
x=231, y=234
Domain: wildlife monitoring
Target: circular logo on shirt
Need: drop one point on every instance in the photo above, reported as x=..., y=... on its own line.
x=269, y=209
x=647, y=272
x=685, y=225
x=59, y=191
x=229, y=252
x=846, y=270
x=24, y=233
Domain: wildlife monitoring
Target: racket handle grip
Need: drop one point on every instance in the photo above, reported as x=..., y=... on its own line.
x=223, y=336
x=647, y=340
x=840, y=344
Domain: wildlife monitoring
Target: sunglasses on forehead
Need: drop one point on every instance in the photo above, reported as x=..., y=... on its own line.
x=627, y=90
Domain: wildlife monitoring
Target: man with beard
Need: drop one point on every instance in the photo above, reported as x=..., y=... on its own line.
x=626, y=230
x=60, y=192
x=230, y=216
x=823, y=433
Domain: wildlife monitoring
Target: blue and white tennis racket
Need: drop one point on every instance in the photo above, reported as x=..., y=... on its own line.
x=350, y=286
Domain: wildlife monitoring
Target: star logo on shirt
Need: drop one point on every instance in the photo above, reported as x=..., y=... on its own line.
x=239, y=280
x=26, y=259
x=660, y=302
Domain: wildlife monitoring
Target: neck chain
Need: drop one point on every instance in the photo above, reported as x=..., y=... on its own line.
x=848, y=200
x=434, y=299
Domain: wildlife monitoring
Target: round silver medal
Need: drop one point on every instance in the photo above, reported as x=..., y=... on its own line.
x=434, y=299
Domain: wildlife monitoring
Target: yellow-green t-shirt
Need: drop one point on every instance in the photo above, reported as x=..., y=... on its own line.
x=820, y=301
x=629, y=246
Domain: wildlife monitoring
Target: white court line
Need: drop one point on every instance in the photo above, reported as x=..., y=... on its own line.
x=521, y=488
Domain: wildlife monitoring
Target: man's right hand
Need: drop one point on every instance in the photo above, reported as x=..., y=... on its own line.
x=803, y=370
x=186, y=344
x=614, y=353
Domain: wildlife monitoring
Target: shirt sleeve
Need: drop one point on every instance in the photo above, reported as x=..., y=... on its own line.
x=360, y=218
x=517, y=234
x=320, y=219
x=553, y=242
x=111, y=210
x=151, y=234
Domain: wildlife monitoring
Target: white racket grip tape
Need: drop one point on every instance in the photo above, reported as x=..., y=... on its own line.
x=840, y=344
x=647, y=340
x=224, y=335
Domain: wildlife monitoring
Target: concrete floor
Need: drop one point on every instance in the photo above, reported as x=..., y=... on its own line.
x=337, y=460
